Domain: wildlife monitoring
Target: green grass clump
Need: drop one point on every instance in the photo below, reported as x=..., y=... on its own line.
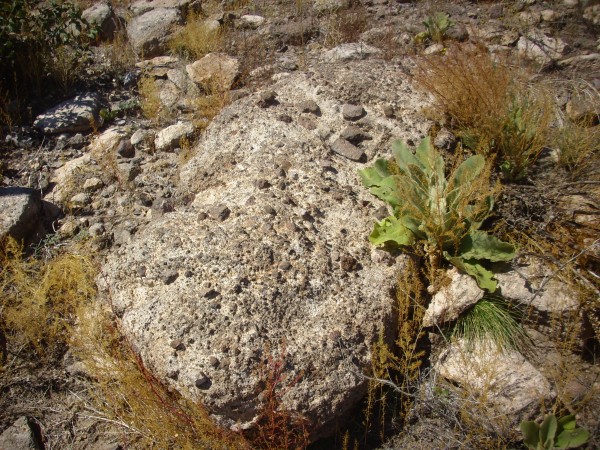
x=491, y=321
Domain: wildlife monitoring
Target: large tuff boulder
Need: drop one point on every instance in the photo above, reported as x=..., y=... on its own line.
x=272, y=254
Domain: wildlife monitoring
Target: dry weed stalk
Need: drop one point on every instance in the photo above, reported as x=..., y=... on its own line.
x=278, y=428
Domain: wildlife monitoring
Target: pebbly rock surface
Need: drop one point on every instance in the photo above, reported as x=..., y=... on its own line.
x=271, y=254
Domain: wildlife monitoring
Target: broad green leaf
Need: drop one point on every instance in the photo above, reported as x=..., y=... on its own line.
x=572, y=438
x=480, y=245
x=388, y=191
x=372, y=176
x=567, y=423
x=391, y=229
x=404, y=156
x=531, y=436
x=548, y=430
x=430, y=159
x=468, y=171
x=484, y=277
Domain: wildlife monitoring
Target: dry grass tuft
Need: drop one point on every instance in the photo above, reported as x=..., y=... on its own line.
x=120, y=53
x=126, y=394
x=196, y=39
x=341, y=26
x=490, y=105
x=150, y=103
x=40, y=298
x=215, y=98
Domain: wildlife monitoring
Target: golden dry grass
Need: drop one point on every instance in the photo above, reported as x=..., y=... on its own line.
x=196, y=38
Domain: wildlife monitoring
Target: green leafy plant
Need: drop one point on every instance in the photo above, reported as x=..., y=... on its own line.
x=554, y=433
x=436, y=27
x=444, y=215
x=31, y=36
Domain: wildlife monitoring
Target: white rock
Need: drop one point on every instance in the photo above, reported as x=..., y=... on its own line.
x=217, y=68
x=169, y=138
x=228, y=277
x=351, y=51
x=541, y=48
x=149, y=32
x=506, y=381
x=92, y=184
x=252, y=21
x=450, y=301
x=78, y=114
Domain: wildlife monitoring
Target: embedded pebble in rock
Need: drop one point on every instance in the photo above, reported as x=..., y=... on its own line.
x=354, y=135
x=388, y=111
x=310, y=106
x=445, y=139
x=353, y=112
x=344, y=148
x=267, y=98
x=219, y=212
x=126, y=149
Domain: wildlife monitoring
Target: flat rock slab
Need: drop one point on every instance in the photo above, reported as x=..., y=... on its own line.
x=346, y=149
x=271, y=258
x=170, y=137
x=21, y=211
x=78, y=114
x=349, y=52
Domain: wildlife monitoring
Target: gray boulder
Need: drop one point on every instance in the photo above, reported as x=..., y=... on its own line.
x=271, y=258
x=150, y=31
x=21, y=212
x=102, y=16
x=20, y=436
x=78, y=114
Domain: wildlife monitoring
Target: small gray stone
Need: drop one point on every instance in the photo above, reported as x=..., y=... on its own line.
x=354, y=135
x=285, y=118
x=213, y=361
x=353, y=112
x=219, y=212
x=310, y=106
x=344, y=148
x=203, y=382
x=267, y=98
x=125, y=148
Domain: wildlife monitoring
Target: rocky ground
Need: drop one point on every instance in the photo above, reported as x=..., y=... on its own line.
x=217, y=241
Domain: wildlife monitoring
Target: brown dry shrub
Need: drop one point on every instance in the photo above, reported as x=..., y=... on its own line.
x=490, y=105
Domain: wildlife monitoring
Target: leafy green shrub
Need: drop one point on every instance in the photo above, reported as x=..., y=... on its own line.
x=436, y=27
x=444, y=215
x=553, y=433
x=32, y=34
